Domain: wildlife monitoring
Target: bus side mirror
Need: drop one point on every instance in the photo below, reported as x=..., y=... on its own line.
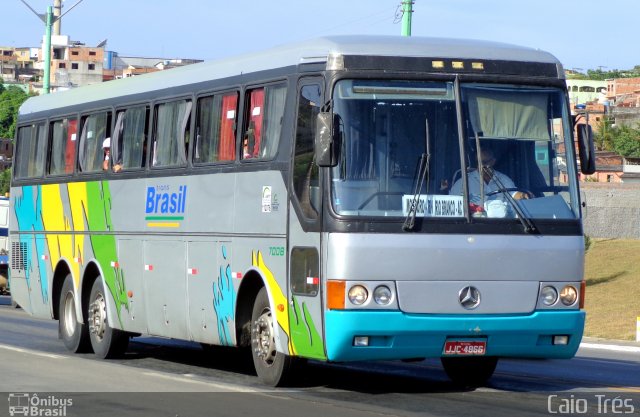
x=586, y=149
x=325, y=146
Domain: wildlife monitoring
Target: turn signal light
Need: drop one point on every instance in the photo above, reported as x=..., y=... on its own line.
x=335, y=294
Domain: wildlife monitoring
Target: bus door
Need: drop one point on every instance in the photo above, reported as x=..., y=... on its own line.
x=305, y=289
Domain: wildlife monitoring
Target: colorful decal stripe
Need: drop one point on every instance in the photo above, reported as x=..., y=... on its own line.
x=297, y=323
x=76, y=207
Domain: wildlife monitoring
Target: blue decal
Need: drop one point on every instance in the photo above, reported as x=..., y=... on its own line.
x=28, y=209
x=224, y=301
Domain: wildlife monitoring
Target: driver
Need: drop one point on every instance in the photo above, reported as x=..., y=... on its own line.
x=491, y=187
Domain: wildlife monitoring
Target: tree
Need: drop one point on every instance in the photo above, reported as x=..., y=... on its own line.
x=11, y=98
x=603, y=136
x=626, y=141
x=5, y=181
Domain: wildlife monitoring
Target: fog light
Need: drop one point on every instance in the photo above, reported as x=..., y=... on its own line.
x=361, y=341
x=568, y=295
x=382, y=295
x=549, y=296
x=561, y=340
x=358, y=295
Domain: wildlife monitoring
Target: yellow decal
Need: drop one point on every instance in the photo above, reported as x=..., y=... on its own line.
x=277, y=295
x=54, y=220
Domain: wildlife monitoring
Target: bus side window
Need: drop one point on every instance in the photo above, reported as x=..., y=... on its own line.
x=305, y=170
x=171, y=133
x=30, y=153
x=263, y=121
x=61, y=147
x=129, y=141
x=70, y=151
x=215, y=128
x=95, y=129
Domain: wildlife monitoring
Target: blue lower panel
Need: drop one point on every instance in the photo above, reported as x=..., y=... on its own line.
x=396, y=335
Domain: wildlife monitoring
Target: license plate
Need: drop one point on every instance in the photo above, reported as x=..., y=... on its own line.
x=465, y=348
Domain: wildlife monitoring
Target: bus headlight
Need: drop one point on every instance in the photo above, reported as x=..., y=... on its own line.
x=358, y=295
x=382, y=295
x=548, y=295
x=568, y=295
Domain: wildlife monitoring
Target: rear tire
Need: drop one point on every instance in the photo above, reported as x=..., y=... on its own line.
x=470, y=372
x=74, y=334
x=106, y=341
x=273, y=368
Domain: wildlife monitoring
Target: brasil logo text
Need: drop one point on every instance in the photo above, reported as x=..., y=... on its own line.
x=165, y=206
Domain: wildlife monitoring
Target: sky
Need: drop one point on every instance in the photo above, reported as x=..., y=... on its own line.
x=582, y=34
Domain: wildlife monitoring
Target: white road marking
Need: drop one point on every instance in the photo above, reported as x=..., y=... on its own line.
x=188, y=378
x=613, y=348
x=32, y=352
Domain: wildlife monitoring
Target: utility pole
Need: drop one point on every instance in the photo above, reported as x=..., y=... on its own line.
x=48, y=19
x=407, y=11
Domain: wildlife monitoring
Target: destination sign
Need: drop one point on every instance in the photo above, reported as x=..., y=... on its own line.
x=434, y=205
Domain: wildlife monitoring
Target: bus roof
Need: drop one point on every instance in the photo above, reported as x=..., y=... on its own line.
x=316, y=50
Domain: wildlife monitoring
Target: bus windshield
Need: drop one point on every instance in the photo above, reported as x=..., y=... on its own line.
x=401, y=147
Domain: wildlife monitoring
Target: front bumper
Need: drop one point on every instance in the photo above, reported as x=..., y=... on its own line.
x=396, y=335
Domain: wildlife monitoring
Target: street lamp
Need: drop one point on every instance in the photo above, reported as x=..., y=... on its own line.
x=48, y=20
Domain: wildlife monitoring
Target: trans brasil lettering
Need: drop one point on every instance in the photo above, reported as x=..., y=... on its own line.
x=160, y=200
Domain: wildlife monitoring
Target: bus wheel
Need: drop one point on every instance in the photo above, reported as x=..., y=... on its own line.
x=74, y=334
x=273, y=367
x=470, y=372
x=107, y=342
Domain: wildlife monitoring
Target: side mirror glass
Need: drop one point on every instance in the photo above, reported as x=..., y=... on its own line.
x=325, y=149
x=586, y=149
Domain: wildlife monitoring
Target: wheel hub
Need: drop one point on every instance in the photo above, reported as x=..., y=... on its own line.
x=263, y=340
x=98, y=316
x=69, y=314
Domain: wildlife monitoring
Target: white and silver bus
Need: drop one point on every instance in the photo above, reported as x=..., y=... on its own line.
x=342, y=199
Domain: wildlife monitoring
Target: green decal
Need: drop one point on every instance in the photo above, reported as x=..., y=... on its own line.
x=104, y=246
x=305, y=338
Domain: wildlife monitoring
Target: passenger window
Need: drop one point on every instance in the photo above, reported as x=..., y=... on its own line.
x=62, y=146
x=30, y=153
x=263, y=121
x=305, y=170
x=129, y=142
x=171, y=133
x=215, y=128
x=95, y=131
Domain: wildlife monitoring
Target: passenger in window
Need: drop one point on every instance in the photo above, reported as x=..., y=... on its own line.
x=246, y=154
x=106, y=147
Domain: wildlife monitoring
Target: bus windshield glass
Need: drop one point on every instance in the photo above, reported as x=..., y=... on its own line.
x=401, y=149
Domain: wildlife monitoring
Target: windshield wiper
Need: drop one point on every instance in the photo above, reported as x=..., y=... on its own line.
x=528, y=225
x=423, y=174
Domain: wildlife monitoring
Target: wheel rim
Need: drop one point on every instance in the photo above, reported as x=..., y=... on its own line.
x=69, y=314
x=98, y=316
x=263, y=340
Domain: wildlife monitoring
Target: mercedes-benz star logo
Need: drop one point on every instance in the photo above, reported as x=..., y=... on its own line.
x=469, y=297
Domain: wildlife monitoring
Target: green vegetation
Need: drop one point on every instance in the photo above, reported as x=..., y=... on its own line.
x=605, y=75
x=612, y=272
x=623, y=140
x=11, y=98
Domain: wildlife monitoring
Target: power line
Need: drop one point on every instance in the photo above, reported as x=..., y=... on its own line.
x=360, y=19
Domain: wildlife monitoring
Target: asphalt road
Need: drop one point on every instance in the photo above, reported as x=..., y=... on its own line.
x=160, y=377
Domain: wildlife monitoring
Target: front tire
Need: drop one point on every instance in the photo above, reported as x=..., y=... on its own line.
x=470, y=372
x=106, y=341
x=273, y=368
x=74, y=334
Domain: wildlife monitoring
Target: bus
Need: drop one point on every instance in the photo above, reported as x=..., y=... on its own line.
x=315, y=201
x=4, y=244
